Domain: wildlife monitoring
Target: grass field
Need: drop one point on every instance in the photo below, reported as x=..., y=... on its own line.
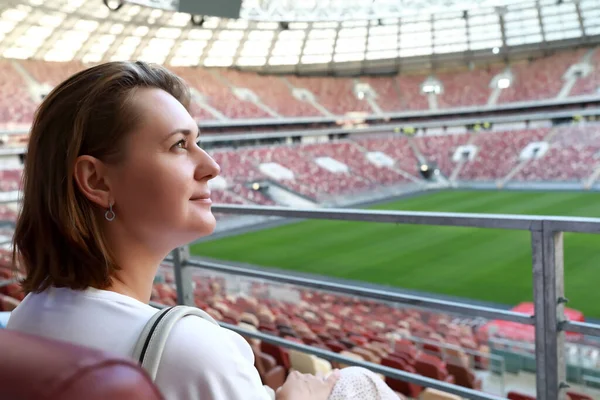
x=483, y=264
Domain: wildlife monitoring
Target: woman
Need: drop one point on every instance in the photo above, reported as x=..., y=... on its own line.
x=114, y=180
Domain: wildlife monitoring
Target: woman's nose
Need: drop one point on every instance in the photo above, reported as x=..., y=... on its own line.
x=207, y=167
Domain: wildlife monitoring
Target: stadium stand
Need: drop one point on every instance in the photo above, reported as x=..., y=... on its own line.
x=498, y=153
x=591, y=83
x=10, y=179
x=431, y=344
x=539, y=79
x=466, y=88
x=388, y=92
x=410, y=93
x=16, y=106
x=440, y=149
x=335, y=94
x=268, y=97
x=572, y=156
x=273, y=92
x=216, y=93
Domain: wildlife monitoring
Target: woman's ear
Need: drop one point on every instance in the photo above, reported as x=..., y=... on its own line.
x=91, y=180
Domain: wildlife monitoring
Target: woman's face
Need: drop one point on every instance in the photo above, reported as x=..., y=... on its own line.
x=160, y=189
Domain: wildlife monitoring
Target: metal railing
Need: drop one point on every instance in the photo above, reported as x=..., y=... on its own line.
x=547, y=272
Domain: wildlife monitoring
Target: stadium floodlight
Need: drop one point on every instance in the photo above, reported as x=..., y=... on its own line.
x=113, y=5
x=197, y=20
x=432, y=88
x=503, y=83
x=496, y=50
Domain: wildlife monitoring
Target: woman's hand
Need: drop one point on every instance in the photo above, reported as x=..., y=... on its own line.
x=307, y=387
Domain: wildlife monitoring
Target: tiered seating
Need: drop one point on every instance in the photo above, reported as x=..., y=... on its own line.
x=273, y=92
x=7, y=213
x=16, y=104
x=335, y=94
x=224, y=197
x=252, y=195
x=388, y=92
x=358, y=328
x=200, y=114
x=536, y=80
x=10, y=179
x=350, y=154
x=51, y=73
x=237, y=165
x=440, y=149
x=539, y=79
x=466, y=88
x=498, y=153
x=410, y=93
x=396, y=147
x=310, y=179
x=573, y=155
x=591, y=83
x=218, y=94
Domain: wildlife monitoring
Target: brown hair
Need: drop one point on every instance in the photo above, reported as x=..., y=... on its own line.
x=58, y=241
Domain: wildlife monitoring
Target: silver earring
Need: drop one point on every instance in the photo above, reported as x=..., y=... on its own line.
x=109, y=214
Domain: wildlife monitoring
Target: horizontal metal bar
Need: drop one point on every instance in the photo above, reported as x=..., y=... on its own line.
x=517, y=222
x=377, y=368
x=585, y=328
x=415, y=301
x=572, y=224
x=8, y=282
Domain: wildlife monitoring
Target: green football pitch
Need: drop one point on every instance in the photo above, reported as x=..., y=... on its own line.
x=479, y=264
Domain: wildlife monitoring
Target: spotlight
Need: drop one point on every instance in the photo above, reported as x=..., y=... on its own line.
x=197, y=20
x=113, y=5
x=424, y=167
x=255, y=186
x=503, y=83
x=496, y=50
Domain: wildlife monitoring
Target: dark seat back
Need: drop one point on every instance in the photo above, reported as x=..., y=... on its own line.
x=35, y=368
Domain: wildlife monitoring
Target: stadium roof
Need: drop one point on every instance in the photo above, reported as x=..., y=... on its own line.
x=332, y=31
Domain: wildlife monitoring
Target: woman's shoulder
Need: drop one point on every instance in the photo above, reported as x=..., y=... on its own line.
x=202, y=360
x=193, y=335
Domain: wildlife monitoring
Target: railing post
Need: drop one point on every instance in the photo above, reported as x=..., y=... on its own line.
x=183, y=276
x=548, y=290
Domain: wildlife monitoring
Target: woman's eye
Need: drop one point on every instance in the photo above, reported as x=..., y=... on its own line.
x=181, y=144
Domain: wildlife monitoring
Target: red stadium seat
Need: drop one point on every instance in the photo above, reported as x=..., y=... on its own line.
x=408, y=389
x=280, y=354
x=519, y=396
x=35, y=368
x=433, y=367
x=463, y=376
x=578, y=396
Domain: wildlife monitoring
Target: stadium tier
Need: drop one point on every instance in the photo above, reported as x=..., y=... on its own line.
x=321, y=172
x=221, y=94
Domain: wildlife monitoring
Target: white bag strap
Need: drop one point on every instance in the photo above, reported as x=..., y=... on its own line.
x=151, y=343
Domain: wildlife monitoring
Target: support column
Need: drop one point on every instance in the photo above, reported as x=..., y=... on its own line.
x=183, y=276
x=548, y=290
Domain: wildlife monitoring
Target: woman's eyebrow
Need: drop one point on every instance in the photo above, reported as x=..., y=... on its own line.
x=186, y=132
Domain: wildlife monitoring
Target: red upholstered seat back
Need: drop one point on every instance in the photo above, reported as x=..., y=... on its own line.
x=38, y=368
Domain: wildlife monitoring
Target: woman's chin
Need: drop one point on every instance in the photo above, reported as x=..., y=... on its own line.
x=206, y=225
